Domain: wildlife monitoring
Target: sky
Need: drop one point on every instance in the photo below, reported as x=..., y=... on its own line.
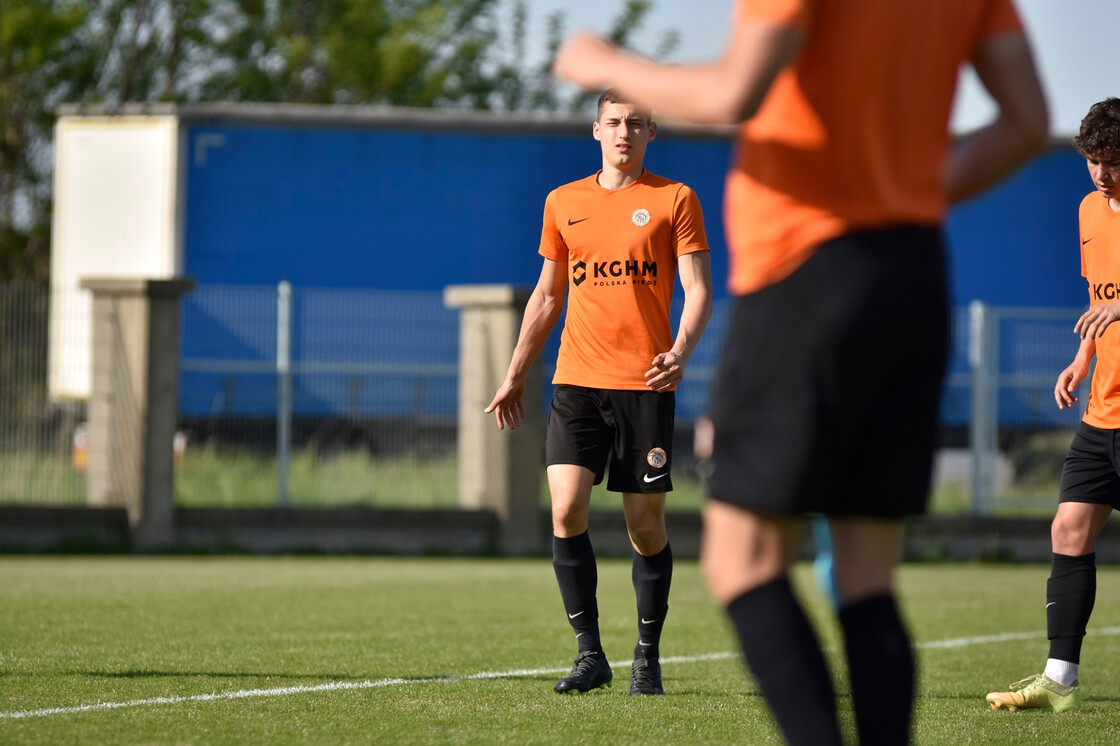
x=1077, y=48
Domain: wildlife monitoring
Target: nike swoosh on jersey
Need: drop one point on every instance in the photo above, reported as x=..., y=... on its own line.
x=647, y=478
x=1087, y=240
x=573, y=222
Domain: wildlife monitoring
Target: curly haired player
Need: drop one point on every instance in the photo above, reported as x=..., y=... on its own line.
x=1090, y=486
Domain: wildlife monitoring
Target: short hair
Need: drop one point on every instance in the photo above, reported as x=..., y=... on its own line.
x=611, y=96
x=1100, y=130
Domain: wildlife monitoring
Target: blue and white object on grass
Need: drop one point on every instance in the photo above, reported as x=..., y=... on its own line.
x=823, y=570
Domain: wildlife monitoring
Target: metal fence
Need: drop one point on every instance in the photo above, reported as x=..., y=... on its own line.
x=1017, y=434
x=313, y=396
x=318, y=396
x=37, y=460
x=361, y=382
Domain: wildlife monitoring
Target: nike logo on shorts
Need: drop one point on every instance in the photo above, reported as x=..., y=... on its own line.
x=647, y=478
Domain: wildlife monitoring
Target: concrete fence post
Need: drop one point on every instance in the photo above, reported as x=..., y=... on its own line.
x=133, y=401
x=498, y=470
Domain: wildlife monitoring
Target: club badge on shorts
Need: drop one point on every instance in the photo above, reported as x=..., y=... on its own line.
x=656, y=458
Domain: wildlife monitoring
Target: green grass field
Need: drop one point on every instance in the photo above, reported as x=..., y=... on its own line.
x=217, y=650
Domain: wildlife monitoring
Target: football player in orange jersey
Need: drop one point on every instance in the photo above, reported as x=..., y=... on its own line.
x=827, y=393
x=613, y=243
x=1090, y=487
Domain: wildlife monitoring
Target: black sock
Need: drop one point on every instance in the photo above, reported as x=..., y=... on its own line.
x=652, y=577
x=783, y=654
x=881, y=669
x=573, y=559
x=1070, y=594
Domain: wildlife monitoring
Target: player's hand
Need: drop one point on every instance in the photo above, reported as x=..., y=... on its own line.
x=1093, y=322
x=667, y=371
x=583, y=58
x=507, y=406
x=1068, y=381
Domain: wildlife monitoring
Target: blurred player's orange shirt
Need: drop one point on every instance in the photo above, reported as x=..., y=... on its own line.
x=844, y=141
x=1100, y=265
x=620, y=247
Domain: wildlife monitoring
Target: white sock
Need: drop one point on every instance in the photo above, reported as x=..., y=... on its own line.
x=1063, y=672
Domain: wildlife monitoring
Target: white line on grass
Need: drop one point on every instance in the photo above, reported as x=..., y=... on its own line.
x=334, y=686
x=961, y=642
x=512, y=674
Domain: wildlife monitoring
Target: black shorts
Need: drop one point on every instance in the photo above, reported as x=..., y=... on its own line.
x=829, y=382
x=630, y=430
x=1091, y=472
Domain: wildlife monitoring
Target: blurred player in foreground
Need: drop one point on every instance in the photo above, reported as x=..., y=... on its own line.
x=613, y=243
x=827, y=394
x=1090, y=487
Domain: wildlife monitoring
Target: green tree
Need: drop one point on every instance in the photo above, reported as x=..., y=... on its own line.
x=445, y=53
x=140, y=51
x=33, y=36
x=627, y=22
x=396, y=52
x=54, y=51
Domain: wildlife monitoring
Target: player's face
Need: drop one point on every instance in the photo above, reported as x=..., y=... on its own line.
x=1105, y=173
x=623, y=131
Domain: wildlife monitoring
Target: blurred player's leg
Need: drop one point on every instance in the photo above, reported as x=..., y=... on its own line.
x=746, y=558
x=880, y=657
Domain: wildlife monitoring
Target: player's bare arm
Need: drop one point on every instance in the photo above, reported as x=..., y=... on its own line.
x=541, y=314
x=1070, y=378
x=696, y=279
x=1095, y=321
x=1006, y=69
x=725, y=91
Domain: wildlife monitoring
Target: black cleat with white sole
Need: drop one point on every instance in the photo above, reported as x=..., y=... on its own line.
x=590, y=671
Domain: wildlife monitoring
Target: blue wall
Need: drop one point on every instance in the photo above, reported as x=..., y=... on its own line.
x=391, y=209
x=1018, y=244
x=395, y=209
x=398, y=210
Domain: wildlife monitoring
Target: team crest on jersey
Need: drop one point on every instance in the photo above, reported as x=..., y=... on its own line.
x=656, y=458
x=640, y=217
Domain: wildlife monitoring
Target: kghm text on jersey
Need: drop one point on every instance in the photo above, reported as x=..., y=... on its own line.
x=628, y=268
x=1106, y=291
x=617, y=272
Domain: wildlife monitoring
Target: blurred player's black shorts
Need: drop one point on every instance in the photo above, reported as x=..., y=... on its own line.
x=827, y=392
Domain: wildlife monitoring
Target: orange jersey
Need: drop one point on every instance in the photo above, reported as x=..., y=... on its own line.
x=620, y=247
x=1100, y=265
x=854, y=133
